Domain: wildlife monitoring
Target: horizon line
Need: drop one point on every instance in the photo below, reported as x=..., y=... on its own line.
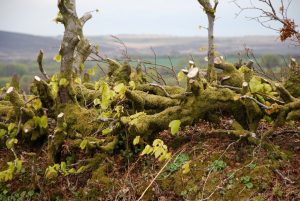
x=146, y=35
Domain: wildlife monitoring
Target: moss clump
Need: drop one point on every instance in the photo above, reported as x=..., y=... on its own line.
x=80, y=120
x=99, y=185
x=292, y=82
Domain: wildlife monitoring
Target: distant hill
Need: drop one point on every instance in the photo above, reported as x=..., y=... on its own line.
x=23, y=46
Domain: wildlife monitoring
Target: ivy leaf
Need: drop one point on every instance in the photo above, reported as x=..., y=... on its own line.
x=175, y=126
x=157, y=142
x=249, y=185
x=54, y=89
x=2, y=133
x=54, y=78
x=51, y=173
x=10, y=143
x=43, y=122
x=106, y=131
x=106, y=96
x=72, y=171
x=63, y=82
x=10, y=127
x=120, y=89
x=147, y=150
x=63, y=167
x=91, y=71
x=81, y=67
x=57, y=58
x=81, y=169
x=37, y=104
x=77, y=80
x=18, y=164
x=36, y=120
x=136, y=140
x=180, y=76
x=97, y=102
x=186, y=167
x=255, y=85
x=83, y=144
x=30, y=193
x=245, y=179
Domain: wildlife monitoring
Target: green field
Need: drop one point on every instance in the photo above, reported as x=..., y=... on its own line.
x=27, y=69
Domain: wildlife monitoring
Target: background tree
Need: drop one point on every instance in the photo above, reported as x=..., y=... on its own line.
x=273, y=15
x=210, y=10
x=75, y=48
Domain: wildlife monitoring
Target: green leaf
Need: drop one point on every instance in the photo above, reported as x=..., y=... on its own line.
x=81, y=67
x=81, y=169
x=249, y=185
x=256, y=85
x=97, y=102
x=72, y=171
x=136, y=140
x=186, y=167
x=10, y=143
x=180, y=76
x=63, y=82
x=120, y=89
x=83, y=144
x=106, y=131
x=63, y=167
x=147, y=150
x=43, y=122
x=51, y=172
x=2, y=133
x=77, y=80
x=57, y=58
x=37, y=104
x=91, y=71
x=175, y=126
x=54, y=88
x=10, y=127
x=37, y=121
x=245, y=179
x=18, y=163
x=157, y=142
x=106, y=96
x=218, y=165
x=54, y=78
x=30, y=193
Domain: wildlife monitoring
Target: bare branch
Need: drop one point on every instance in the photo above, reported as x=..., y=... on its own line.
x=40, y=62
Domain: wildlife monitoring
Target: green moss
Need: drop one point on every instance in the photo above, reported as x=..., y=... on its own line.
x=292, y=84
x=172, y=90
x=99, y=185
x=80, y=120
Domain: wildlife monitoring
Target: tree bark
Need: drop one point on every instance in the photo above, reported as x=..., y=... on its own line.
x=210, y=12
x=74, y=47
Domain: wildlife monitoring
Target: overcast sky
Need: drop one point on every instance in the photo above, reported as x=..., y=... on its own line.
x=164, y=17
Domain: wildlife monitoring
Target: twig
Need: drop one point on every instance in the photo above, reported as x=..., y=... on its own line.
x=283, y=177
x=229, y=87
x=153, y=180
x=161, y=87
x=174, y=72
x=257, y=102
x=160, y=171
x=202, y=193
x=40, y=62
